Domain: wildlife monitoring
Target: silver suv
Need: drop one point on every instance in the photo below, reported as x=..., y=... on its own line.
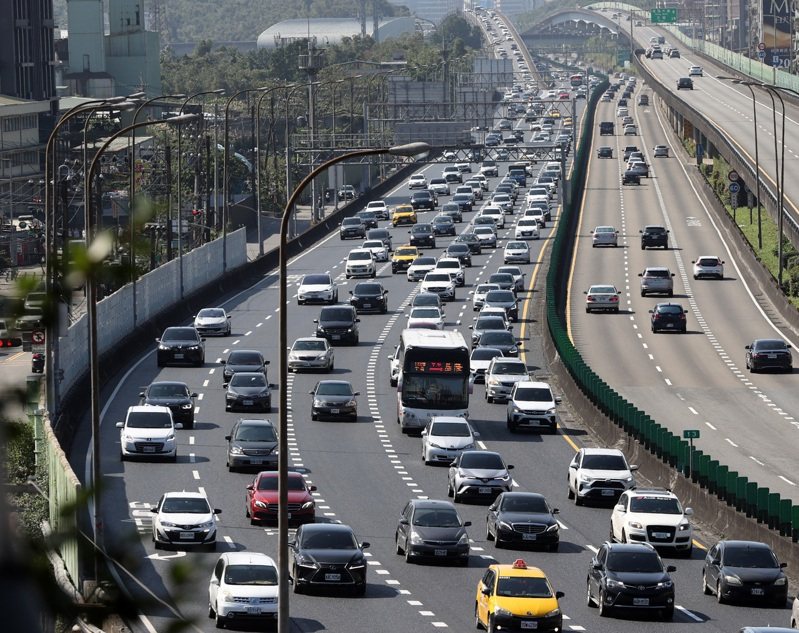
x=502, y=375
x=657, y=280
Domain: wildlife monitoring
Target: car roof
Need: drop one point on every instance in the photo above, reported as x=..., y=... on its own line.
x=255, y=422
x=148, y=408
x=508, y=569
x=602, y=451
x=631, y=547
x=749, y=544
x=248, y=558
x=167, y=382
x=185, y=494
x=335, y=382
x=433, y=503
x=326, y=527
x=535, y=384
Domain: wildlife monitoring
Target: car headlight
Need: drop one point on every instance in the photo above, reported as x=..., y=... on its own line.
x=493, y=381
x=170, y=437
x=320, y=328
x=206, y=526
x=732, y=580
x=226, y=596
x=505, y=477
x=780, y=581
x=163, y=348
x=168, y=524
x=193, y=348
x=665, y=584
x=586, y=479
x=433, y=445
x=415, y=538
x=552, y=613
x=318, y=403
x=261, y=504
x=127, y=439
x=553, y=528
x=684, y=526
x=308, y=505
x=468, y=447
x=551, y=411
x=236, y=450
x=501, y=611
x=504, y=525
x=628, y=479
x=351, y=403
x=614, y=584
x=464, y=539
x=293, y=356
x=306, y=561
x=636, y=525
x=357, y=564
x=186, y=406
x=349, y=330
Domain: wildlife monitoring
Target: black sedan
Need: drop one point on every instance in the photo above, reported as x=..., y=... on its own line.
x=422, y=234
x=769, y=353
x=423, y=200
x=368, y=219
x=472, y=241
x=172, y=394
x=328, y=555
x=432, y=529
x=248, y=390
x=369, y=296
x=334, y=399
x=522, y=518
x=252, y=444
x=443, y=225
x=630, y=178
x=180, y=345
x=464, y=201
x=738, y=571
x=502, y=340
x=461, y=252
x=243, y=360
x=668, y=317
x=452, y=210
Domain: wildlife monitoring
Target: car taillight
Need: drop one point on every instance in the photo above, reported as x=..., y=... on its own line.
x=614, y=298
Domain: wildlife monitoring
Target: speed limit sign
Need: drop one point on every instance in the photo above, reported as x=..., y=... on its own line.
x=37, y=337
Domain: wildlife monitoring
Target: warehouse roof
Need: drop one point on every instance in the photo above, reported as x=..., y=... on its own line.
x=330, y=30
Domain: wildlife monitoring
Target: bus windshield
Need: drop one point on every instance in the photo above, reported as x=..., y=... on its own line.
x=435, y=391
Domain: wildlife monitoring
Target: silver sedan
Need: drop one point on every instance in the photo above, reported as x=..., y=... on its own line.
x=602, y=297
x=605, y=236
x=311, y=353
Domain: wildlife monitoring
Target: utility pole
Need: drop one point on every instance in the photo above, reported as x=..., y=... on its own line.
x=311, y=64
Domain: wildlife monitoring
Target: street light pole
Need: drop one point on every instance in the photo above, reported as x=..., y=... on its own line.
x=412, y=149
x=780, y=176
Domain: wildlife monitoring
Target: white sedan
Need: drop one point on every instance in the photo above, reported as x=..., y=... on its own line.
x=378, y=248
x=317, y=287
x=695, y=71
x=417, y=181
x=441, y=284
x=428, y=317
x=212, y=321
x=517, y=251
x=605, y=236
x=445, y=437
x=526, y=229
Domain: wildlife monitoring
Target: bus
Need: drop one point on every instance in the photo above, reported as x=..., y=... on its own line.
x=576, y=80
x=431, y=371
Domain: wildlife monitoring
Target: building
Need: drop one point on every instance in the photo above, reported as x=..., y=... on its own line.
x=125, y=60
x=327, y=31
x=432, y=10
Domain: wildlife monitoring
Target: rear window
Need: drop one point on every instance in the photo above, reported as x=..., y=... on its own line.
x=657, y=273
x=669, y=309
x=708, y=261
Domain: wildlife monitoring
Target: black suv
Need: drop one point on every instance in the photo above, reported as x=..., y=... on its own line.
x=172, y=394
x=472, y=241
x=654, y=235
x=628, y=150
x=369, y=296
x=631, y=177
x=180, y=345
x=685, y=82
x=338, y=324
x=423, y=200
x=630, y=575
x=604, y=151
x=460, y=251
x=668, y=316
x=423, y=235
x=606, y=128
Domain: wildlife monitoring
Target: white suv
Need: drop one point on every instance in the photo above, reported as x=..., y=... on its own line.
x=599, y=473
x=360, y=263
x=148, y=431
x=244, y=587
x=652, y=516
x=184, y=519
x=532, y=404
x=502, y=375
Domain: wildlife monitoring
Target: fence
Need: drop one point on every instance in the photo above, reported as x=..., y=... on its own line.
x=748, y=497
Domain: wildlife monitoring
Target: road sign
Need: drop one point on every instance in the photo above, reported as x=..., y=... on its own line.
x=775, y=60
x=660, y=16
x=761, y=54
x=734, y=187
x=733, y=176
x=37, y=337
x=690, y=434
x=761, y=46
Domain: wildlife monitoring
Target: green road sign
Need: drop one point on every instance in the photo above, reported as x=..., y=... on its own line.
x=690, y=434
x=660, y=16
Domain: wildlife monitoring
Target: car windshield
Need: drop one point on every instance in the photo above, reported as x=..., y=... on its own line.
x=527, y=222
x=457, y=248
x=167, y=391
x=404, y=252
x=484, y=288
x=500, y=296
x=185, y=505
x=316, y=280
x=426, y=299
x=482, y=460
x=256, y=433
x=425, y=313
x=424, y=261
x=496, y=337
x=489, y=323
x=501, y=278
x=422, y=228
x=245, y=358
x=634, y=562
x=524, y=503
x=329, y=540
x=360, y=255
x=772, y=346
x=351, y=222
x=336, y=314
x=433, y=517
x=450, y=429
x=271, y=483
x=368, y=289
x=316, y=346
x=534, y=394
x=211, y=313
x=517, y=246
x=246, y=379
x=654, y=229
x=442, y=219
x=450, y=264
x=655, y=505
x=366, y=215
x=523, y=587
x=604, y=462
x=751, y=557
x=483, y=230
x=604, y=229
x=180, y=334
x=334, y=389
x=437, y=277
x=250, y=575
x=373, y=244
x=509, y=368
x=149, y=420
x=434, y=391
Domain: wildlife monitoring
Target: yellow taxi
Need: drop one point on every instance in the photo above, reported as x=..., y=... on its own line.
x=554, y=113
x=517, y=597
x=403, y=214
x=403, y=257
x=567, y=122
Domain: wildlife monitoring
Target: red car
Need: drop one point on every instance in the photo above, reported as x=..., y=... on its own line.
x=262, y=499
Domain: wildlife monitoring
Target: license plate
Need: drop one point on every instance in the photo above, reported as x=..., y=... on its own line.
x=608, y=493
x=484, y=490
x=757, y=591
x=640, y=602
x=367, y=305
x=529, y=624
x=149, y=449
x=178, y=356
x=253, y=609
x=529, y=537
x=771, y=356
x=187, y=536
x=334, y=411
x=661, y=534
x=247, y=403
x=670, y=325
x=336, y=337
x=440, y=552
x=332, y=577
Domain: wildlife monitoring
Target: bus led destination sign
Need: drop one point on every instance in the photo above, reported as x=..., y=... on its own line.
x=438, y=367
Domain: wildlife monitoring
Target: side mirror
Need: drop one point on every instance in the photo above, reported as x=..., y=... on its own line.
x=154, y=510
x=783, y=565
x=486, y=591
x=214, y=580
x=158, y=340
x=403, y=521
x=633, y=467
x=222, y=362
x=119, y=425
x=509, y=466
x=350, y=291
x=476, y=434
x=312, y=488
x=266, y=362
x=217, y=511
x=558, y=400
x=651, y=312
x=141, y=394
x=194, y=394
x=316, y=320
x=747, y=346
x=620, y=508
x=596, y=566
x=467, y=523
x=685, y=311
x=358, y=320
x=227, y=437
x=559, y=595
x=671, y=568
x=178, y=425
x=555, y=511
x=365, y=545
x=250, y=486
x=689, y=512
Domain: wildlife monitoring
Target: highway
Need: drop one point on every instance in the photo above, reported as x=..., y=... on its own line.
x=698, y=380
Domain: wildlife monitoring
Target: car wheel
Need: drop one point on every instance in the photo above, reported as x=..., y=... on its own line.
x=511, y=426
x=219, y=622
x=588, y=310
x=296, y=587
x=477, y=624
x=577, y=500
x=407, y=552
x=492, y=627
x=569, y=493
x=554, y=547
x=314, y=417
x=668, y=613
x=623, y=537
x=604, y=609
x=489, y=399
x=611, y=536
x=397, y=549
x=211, y=612
x=589, y=600
x=456, y=497
x=450, y=492
x=159, y=363
x=360, y=590
x=719, y=595
x=705, y=587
